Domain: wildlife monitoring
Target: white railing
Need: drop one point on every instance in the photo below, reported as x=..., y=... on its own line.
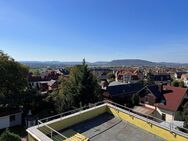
x=71, y=112
x=55, y=135
x=153, y=120
x=131, y=112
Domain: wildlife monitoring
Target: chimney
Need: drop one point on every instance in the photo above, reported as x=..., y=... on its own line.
x=116, y=76
x=160, y=87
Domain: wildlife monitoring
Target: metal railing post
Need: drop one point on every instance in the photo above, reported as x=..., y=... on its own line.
x=51, y=134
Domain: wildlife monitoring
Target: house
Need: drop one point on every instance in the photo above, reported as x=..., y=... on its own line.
x=101, y=73
x=150, y=95
x=52, y=84
x=47, y=86
x=178, y=74
x=126, y=77
x=10, y=118
x=159, y=78
x=34, y=81
x=139, y=73
x=118, y=91
x=45, y=82
x=173, y=96
x=184, y=78
x=62, y=71
x=165, y=100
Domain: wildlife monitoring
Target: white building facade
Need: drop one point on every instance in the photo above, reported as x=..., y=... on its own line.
x=11, y=120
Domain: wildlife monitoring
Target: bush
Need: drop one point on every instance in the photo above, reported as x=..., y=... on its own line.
x=178, y=83
x=181, y=84
x=175, y=83
x=8, y=136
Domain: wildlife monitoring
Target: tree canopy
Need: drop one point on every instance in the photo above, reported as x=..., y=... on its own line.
x=111, y=76
x=8, y=136
x=13, y=79
x=79, y=89
x=178, y=83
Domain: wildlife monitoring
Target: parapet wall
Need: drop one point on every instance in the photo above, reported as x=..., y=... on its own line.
x=139, y=121
x=146, y=125
x=73, y=119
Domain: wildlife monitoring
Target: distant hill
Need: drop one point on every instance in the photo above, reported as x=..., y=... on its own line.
x=173, y=64
x=122, y=62
x=40, y=64
x=139, y=62
x=131, y=62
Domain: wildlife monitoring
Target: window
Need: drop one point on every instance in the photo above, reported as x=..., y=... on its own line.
x=12, y=118
x=163, y=116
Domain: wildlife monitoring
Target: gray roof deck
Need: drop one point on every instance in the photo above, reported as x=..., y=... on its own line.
x=106, y=127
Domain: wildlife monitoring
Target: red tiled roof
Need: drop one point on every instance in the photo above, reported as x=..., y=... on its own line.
x=184, y=76
x=173, y=97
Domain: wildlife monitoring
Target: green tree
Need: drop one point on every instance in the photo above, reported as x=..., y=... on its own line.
x=111, y=76
x=13, y=80
x=79, y=89
x=35, y=71
x=36, y=102
x=8, y=136
x=175, y=83
x=181, y=84
x=63, y=95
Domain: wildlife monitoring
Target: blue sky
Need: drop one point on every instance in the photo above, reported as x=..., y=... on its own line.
x=98, y=30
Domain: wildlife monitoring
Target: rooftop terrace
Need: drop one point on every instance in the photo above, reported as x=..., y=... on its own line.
x=107, y=127
x=103, y=122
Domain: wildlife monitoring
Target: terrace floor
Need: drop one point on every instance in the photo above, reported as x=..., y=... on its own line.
x=106, y=127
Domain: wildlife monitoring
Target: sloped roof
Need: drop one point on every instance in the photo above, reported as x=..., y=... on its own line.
x=173, y=97
x=161, y=77
x=154, y=89
x=124, y=89
x=9, y=112
x=184, y=76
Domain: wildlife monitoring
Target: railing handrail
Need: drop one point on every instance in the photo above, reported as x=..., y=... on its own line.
x=149, y=117
x=132, y=110
x=61, y=114
x=71, y=111
x=53, y=129
x=170, y=125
